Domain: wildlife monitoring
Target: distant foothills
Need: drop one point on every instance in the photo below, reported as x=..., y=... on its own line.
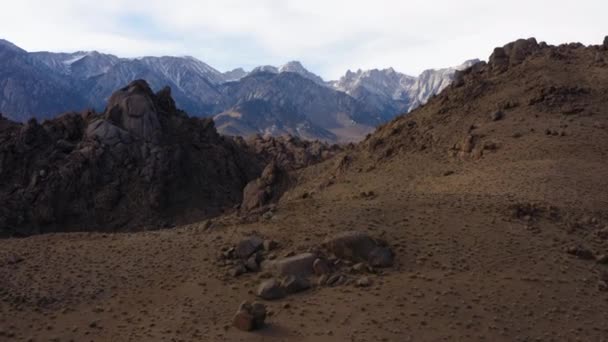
x=267, y=100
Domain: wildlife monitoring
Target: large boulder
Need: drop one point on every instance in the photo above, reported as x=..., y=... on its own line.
x=270, y=289
x=246, y=247
x=359, y=246
x=260, y=192
x=300, y=265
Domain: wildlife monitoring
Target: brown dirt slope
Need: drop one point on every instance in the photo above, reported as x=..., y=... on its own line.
x=498, y=222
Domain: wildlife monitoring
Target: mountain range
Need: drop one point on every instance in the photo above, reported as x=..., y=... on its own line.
x=268, y=100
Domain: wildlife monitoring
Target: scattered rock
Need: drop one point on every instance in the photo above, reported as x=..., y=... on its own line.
x=321, y=267
x=299, y=265
x=252, y=264
x=334, y=280
x=359, y=268
x=359, y=246
x=602, y=286
x=603, y=233
x=497, y=115
x=581, y=252
x=270, y=245
x=250, y=316
x=381, y=257
x=238, y=270
x=602, y=259
x=364, y=282
x=295, y=284
x=248, y=246
x=270, y=289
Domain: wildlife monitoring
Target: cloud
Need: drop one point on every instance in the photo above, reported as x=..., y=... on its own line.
x=328, y=36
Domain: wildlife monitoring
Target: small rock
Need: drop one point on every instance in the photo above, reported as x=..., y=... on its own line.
x=333, y=280
x=250, y=316
x=602, y=259
x=320, y=267
x=270, y=289
x=602, y=286
x=381, y=257
x=497, y=115
x=581, y=252
x=270, y=245
x=360, y=267
x=364, y=282
x=252, y=264
x=229, y=253
x=295, y=284
x=238, y=270
x=244, y=321
x=248, y=246
x=322, y=280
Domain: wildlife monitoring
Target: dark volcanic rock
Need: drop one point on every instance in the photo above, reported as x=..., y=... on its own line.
x=139, y=163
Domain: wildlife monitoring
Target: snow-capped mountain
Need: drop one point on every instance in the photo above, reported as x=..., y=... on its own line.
x=387, y=85
x=82, y=64
x=292, y=66
x=269, y=99
x=234, y=75
x=298, y=68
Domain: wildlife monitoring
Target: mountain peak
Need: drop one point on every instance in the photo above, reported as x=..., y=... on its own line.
x=10, y=46
x=298, y=68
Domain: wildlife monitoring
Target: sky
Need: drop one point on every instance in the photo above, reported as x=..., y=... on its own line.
x=327, y=36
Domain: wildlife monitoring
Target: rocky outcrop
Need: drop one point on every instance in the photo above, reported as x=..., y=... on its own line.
x=513, y=53
x=140, y=163
x=266, y=189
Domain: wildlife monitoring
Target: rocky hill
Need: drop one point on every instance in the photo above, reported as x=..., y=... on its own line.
x=141, y=163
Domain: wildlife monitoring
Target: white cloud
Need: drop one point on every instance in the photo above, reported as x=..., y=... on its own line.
x=330, y=36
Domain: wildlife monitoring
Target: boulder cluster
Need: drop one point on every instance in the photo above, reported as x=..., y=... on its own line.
x=342, y=259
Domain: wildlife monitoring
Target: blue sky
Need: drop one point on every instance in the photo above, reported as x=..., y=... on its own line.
x=328, y=36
